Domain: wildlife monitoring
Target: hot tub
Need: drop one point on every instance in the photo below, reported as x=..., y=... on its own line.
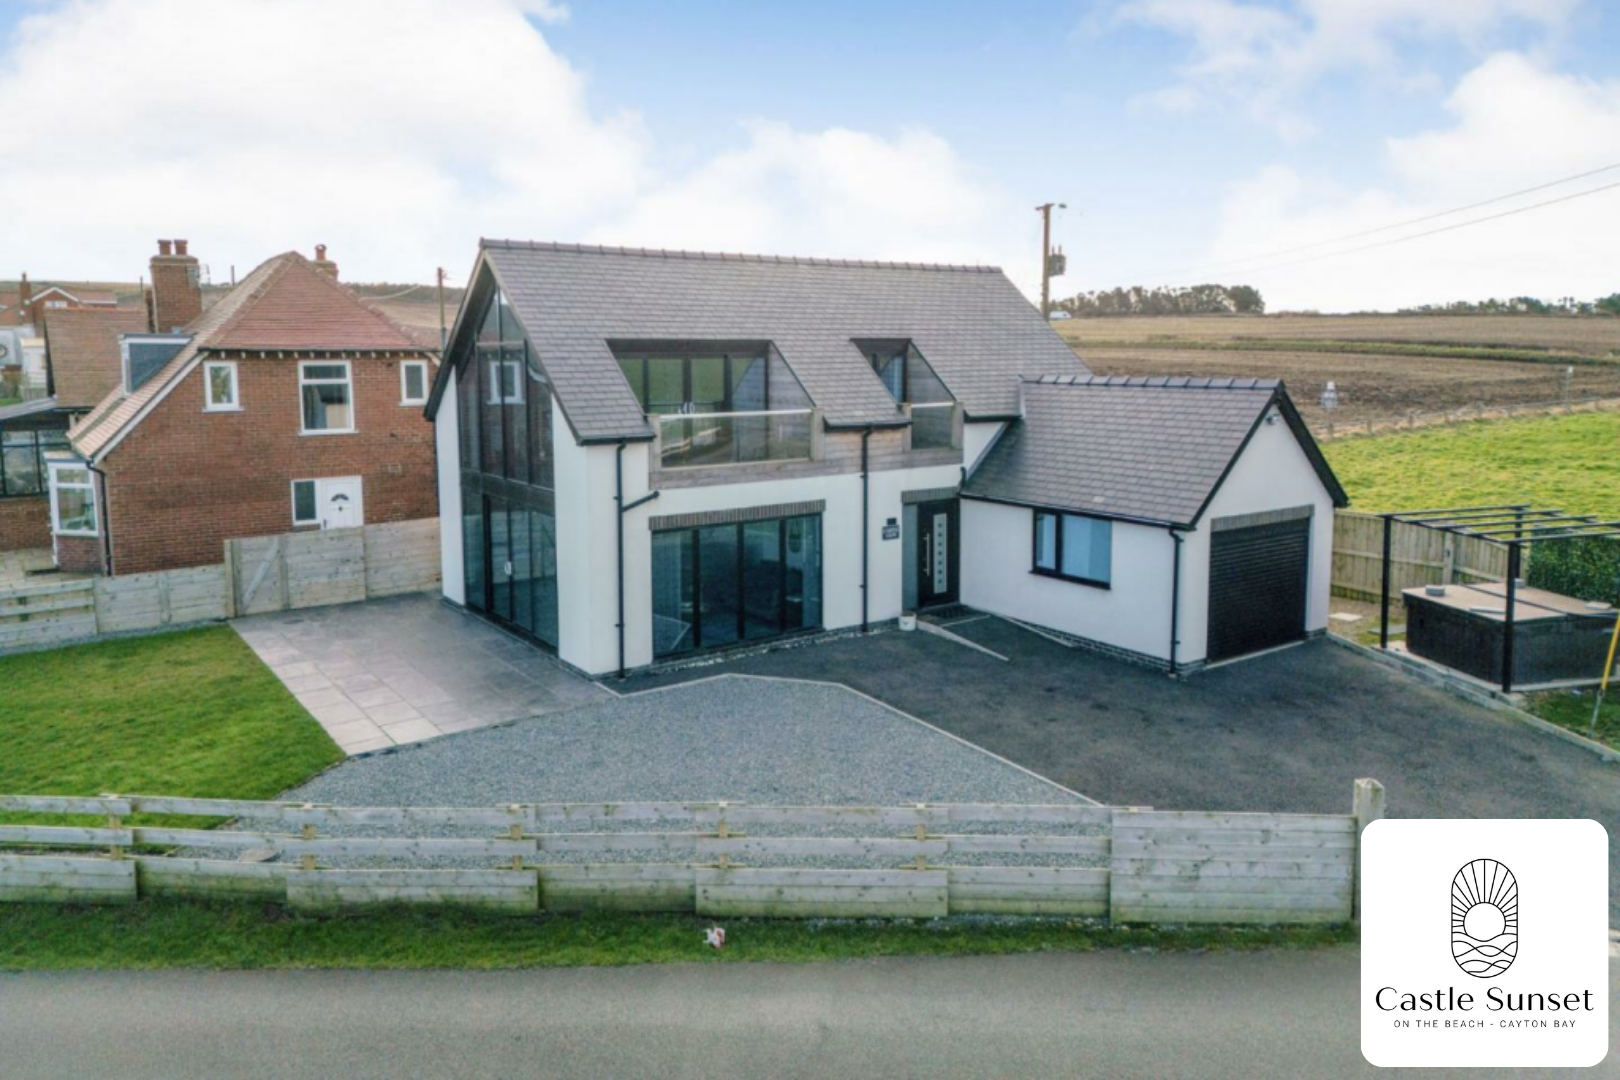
x=1555, y=638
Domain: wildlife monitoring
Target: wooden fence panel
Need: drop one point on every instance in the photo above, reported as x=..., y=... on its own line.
x=897, y=894
x=401, y=557
x=325, y=567
x=47, y=613
x=66, y=880
x=1417, y=557
x=1028, y=890
x=165, y=876
x=1186, y=867
x=506, y=890
x=618, y=887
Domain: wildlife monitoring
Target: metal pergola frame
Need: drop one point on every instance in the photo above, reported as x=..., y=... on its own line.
x=1511, y=525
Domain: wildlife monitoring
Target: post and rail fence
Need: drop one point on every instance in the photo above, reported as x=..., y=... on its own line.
x=927, y=860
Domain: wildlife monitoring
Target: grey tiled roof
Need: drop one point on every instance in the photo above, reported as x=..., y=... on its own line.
x=1147, y=449
x=977, y=331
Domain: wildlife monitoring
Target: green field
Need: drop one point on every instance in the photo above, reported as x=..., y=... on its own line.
x=1568, y=462
x=188, y=713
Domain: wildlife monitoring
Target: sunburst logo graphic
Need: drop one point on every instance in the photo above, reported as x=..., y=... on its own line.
x=1484, y=918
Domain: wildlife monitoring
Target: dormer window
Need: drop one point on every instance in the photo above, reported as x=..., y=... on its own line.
x=914, y=386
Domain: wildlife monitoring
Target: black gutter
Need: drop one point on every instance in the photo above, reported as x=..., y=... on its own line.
x=1156, y=523
x=105, y=519
x=623, y=509
x=866, y=539
x=1175, y=598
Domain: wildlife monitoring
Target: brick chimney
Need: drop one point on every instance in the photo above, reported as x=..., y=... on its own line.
x=176, y=287
x=25, y=301
x=322, y=263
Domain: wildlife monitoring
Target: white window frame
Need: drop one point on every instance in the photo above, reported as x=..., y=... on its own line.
x=89, y=485
x=209, y=404
x=347, y=381
x=315, y=488
x=498, y=367
x=405, y=367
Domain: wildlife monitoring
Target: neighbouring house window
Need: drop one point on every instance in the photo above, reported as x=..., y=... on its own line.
x=413, y=382
x=22, y=460
x=73, y=501
x=305, y=512
x=1074, y=547
x=328, y=397
x=219, y=386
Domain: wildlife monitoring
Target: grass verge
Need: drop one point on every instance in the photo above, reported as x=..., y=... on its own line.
x=1573, y=710
x=176, y=934
x=193, y=713
x=1562, y=461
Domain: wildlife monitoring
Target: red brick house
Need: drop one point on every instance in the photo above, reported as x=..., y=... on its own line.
x=289, y=404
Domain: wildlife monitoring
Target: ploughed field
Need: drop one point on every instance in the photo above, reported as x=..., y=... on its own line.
x=1385, y=367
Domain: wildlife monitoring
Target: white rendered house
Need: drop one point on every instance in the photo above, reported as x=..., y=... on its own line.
x=648, y=455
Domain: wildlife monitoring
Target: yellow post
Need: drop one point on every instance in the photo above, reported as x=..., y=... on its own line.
x=1603, y=687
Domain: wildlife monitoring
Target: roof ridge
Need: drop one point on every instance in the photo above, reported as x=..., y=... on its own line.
x=1159, y=382
x=720, y=256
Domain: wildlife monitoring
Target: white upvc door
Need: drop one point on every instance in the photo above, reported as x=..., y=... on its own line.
x=342, y=504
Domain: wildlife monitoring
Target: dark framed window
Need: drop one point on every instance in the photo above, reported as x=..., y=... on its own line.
x=22, y=460
x=718, y=585
x=1073, y=547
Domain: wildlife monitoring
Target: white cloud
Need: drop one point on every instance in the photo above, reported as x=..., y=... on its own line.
x=1515, y=125
x=1258, y=58
x=399, y=131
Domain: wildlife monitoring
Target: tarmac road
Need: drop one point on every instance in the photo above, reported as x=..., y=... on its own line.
x=1106, y=1014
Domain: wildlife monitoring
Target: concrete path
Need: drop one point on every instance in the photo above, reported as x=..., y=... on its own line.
x=1109, y=1014
x=388, y=672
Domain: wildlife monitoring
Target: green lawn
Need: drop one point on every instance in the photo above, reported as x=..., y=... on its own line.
x=1574, y=711
x=1562, y=461
x=160, y=934
x=188, y=713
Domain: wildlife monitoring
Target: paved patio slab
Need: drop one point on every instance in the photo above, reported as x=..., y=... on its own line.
x=389, y=672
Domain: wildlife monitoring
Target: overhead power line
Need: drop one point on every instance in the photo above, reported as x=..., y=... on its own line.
x=1435, y=232
x=1392, y=226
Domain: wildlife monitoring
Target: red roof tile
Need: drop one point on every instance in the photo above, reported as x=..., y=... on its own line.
x=299, y=307
x=83, y=349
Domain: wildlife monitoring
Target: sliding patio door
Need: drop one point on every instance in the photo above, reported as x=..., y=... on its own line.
x=719, y=585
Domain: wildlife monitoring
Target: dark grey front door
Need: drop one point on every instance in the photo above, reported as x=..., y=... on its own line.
x=937, y=558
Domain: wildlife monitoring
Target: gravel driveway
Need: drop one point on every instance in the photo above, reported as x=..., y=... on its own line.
x=731, y=737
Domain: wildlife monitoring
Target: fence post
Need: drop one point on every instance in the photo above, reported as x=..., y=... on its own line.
x=1368, y=807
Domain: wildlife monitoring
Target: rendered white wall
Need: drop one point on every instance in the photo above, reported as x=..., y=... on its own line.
x=447, y=447
x=997, y=551
x=1272, y=474
x=588, y=564
x=976, y=439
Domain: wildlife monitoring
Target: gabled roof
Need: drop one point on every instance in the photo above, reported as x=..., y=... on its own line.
x=339, y=322
x=1153, y=450
x=82, y=344
x=299, y=307
x=975, y=329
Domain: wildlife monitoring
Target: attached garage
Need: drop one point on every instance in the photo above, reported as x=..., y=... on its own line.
x=1172, y=522
x=1259, y=580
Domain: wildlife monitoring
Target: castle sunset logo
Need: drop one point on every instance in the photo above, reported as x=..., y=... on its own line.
x=1484, y=918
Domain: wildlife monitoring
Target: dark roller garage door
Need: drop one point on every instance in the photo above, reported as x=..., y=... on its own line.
x=1257, y=585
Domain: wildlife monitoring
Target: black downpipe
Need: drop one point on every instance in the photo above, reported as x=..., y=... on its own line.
x=618, y=506
x=623, y=509
x=866, y=539
x=1175, y=598
x=104, y=518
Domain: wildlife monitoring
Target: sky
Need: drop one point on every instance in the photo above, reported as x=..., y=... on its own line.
x=1236, y=141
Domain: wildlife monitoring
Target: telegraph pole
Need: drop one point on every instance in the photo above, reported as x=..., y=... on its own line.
x=1048, y=271
x=444, y=332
